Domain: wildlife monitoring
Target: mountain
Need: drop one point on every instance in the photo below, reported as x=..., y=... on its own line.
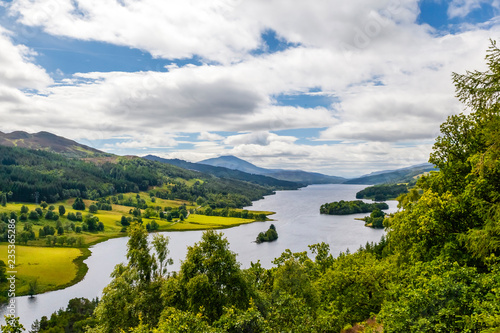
x=223, y=172
x=235, y=163
x=403, y=175
x=48, y=142
x=302, y=177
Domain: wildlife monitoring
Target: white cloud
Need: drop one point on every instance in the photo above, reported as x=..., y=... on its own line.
x=389, y=78
x=210, y=136
x=261, y=138
x=146, y=141
x=168, y=29
x=16, y=67
x=461, y=8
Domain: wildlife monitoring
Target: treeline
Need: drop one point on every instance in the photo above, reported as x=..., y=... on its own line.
x=35, y=175
x=382, y=192
x=350, y=207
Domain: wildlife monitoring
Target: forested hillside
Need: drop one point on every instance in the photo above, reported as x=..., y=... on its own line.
x=28, y=175
x=437, y=270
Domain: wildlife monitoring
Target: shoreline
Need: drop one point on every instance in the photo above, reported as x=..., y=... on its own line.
x=82, y=268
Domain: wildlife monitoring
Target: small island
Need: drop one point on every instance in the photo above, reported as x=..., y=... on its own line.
x=350, y=207
x=382, y=192
x=270, y=235
x=375, y=220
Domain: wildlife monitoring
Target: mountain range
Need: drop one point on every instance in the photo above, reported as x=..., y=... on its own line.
x=223, y=172
x=403, y=175
x=299, y=176
x=228, y=167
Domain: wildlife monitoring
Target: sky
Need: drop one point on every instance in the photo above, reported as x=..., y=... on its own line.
x=339, y=87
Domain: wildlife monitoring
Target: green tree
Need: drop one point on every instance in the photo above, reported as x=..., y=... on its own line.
x=459, y=205
x=79, y=204
x=12, y=325
x=3, y=199
x=33, y=287
x=160, y=244
x=93, y=209
x=62, y=210
x=211, y=277
x=440, y=296
x=135, y=291
x=24, y=209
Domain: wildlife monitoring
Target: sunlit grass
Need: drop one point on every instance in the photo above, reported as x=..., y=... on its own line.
x=52, y=266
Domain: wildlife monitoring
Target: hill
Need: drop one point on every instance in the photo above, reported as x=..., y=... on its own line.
x=403, y=175
x=223, y=172
x=299, y=176
x=235, y=163
x=24, y=172
x=49, y=142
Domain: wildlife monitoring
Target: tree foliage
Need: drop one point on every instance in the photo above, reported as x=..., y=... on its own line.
x=350, y=207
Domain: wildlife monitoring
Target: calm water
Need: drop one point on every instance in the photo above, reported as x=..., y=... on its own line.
x=297, y=221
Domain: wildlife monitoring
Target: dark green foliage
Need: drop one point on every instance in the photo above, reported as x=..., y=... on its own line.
x=270, y=235
x=77, y=316
x=134, y=294
x=24, y=209
x=382, y=192
x=211, y=277
x=92, y=224
x=350, y=207
x=33, y=216
x=50, y=215
x=93, y=209
x=75, y=217
x=124, y=221
x=3, y=269
x=33, y=171
x=376, y=219
x=62, y=210
x=442, y=296
x=79, y=204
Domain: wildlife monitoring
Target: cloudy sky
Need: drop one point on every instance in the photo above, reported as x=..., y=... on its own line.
x=334, y=86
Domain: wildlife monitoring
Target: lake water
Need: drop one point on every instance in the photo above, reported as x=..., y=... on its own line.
x=297, y=221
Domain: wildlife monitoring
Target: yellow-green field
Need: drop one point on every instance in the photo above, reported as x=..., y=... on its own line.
x=53, y=267
x=197, y=222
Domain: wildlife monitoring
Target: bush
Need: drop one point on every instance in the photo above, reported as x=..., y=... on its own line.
x=33, y=216
x=79, y=204
x=93, y=209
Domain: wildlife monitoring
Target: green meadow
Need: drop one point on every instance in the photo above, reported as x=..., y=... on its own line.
x=58, y=263
x=52, y=267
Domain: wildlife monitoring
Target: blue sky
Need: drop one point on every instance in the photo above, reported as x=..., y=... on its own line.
x=335, y=87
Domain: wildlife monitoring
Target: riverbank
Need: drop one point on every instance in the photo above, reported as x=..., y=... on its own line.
x=44, y=262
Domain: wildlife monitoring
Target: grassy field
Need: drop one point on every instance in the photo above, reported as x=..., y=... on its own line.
x=53, y=267
x=56, y=267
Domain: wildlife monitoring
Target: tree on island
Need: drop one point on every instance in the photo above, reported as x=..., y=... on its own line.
x=350, y=207
x=270, y=235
